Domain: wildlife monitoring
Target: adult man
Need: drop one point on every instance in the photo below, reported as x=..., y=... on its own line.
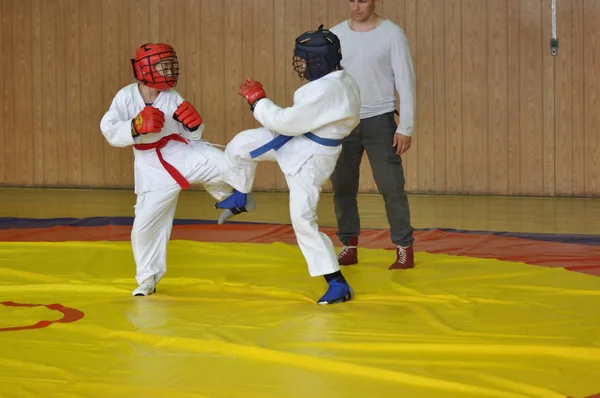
x=377, y=54
x=169, y=155
x=304, y=140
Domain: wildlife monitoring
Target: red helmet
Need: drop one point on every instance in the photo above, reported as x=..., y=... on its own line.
x=156, y=65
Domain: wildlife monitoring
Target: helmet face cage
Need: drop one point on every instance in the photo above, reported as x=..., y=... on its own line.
x=167, y=67
x=309, y=67
x=158, y=69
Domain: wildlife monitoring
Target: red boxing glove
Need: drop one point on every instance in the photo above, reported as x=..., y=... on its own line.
x=149, y=120
x=253, y=92
x=188, y=116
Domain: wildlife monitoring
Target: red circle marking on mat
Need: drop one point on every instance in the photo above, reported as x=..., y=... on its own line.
x=69, y=315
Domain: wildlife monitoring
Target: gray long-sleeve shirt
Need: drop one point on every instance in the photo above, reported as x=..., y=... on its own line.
x=380, y=61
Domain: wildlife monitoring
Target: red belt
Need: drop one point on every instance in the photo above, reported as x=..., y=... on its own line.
x=177, y=176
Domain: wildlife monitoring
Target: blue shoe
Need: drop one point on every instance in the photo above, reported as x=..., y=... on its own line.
x=235, y=200
x=338, y=292
x=234, y=204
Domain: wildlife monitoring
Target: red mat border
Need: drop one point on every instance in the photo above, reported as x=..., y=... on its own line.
x=575, y=257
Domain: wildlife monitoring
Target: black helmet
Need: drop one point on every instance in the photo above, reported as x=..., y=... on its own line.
x=321, y=52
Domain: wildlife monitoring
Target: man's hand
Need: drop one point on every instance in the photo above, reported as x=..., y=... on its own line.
x=402, y=143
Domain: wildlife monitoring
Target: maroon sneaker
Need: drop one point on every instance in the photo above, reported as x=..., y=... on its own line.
x=349, y=254
x=405, y=258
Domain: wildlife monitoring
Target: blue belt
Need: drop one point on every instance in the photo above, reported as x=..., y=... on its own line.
x=281, y=140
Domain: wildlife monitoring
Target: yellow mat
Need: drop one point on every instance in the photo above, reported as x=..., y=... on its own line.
x=240, y=320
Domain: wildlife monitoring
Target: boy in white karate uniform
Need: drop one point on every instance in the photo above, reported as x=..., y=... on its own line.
x=305, y=140
x=165, y=132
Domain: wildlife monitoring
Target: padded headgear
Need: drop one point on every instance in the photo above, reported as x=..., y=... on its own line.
x=321, y=52
x=151, y=67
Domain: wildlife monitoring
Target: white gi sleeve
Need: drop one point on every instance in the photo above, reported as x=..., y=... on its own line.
x=115, y=126
x=298, y=119
x=405, y=81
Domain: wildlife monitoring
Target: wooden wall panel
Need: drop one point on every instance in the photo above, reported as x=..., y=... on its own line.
x=4, y=137
x=578, y=87
x=548, y=104
x=592, y=95
x=23, y=158
x=112, y=159
x=93, y=105
x=453, y=95
x=497, y=104
x=233, y=109
x=36, y=98
x=531, y=95
x=73, y=103
x=8, y=16
x=563, y=103
x=424, y=63
x=439, y=97
x=409, y=159
x=475, y=95
x=496, y=112
x=50, y=66
x=514, y=99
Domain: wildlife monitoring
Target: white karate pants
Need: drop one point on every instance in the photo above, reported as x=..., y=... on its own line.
x=305, y=188
x=155, y=210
